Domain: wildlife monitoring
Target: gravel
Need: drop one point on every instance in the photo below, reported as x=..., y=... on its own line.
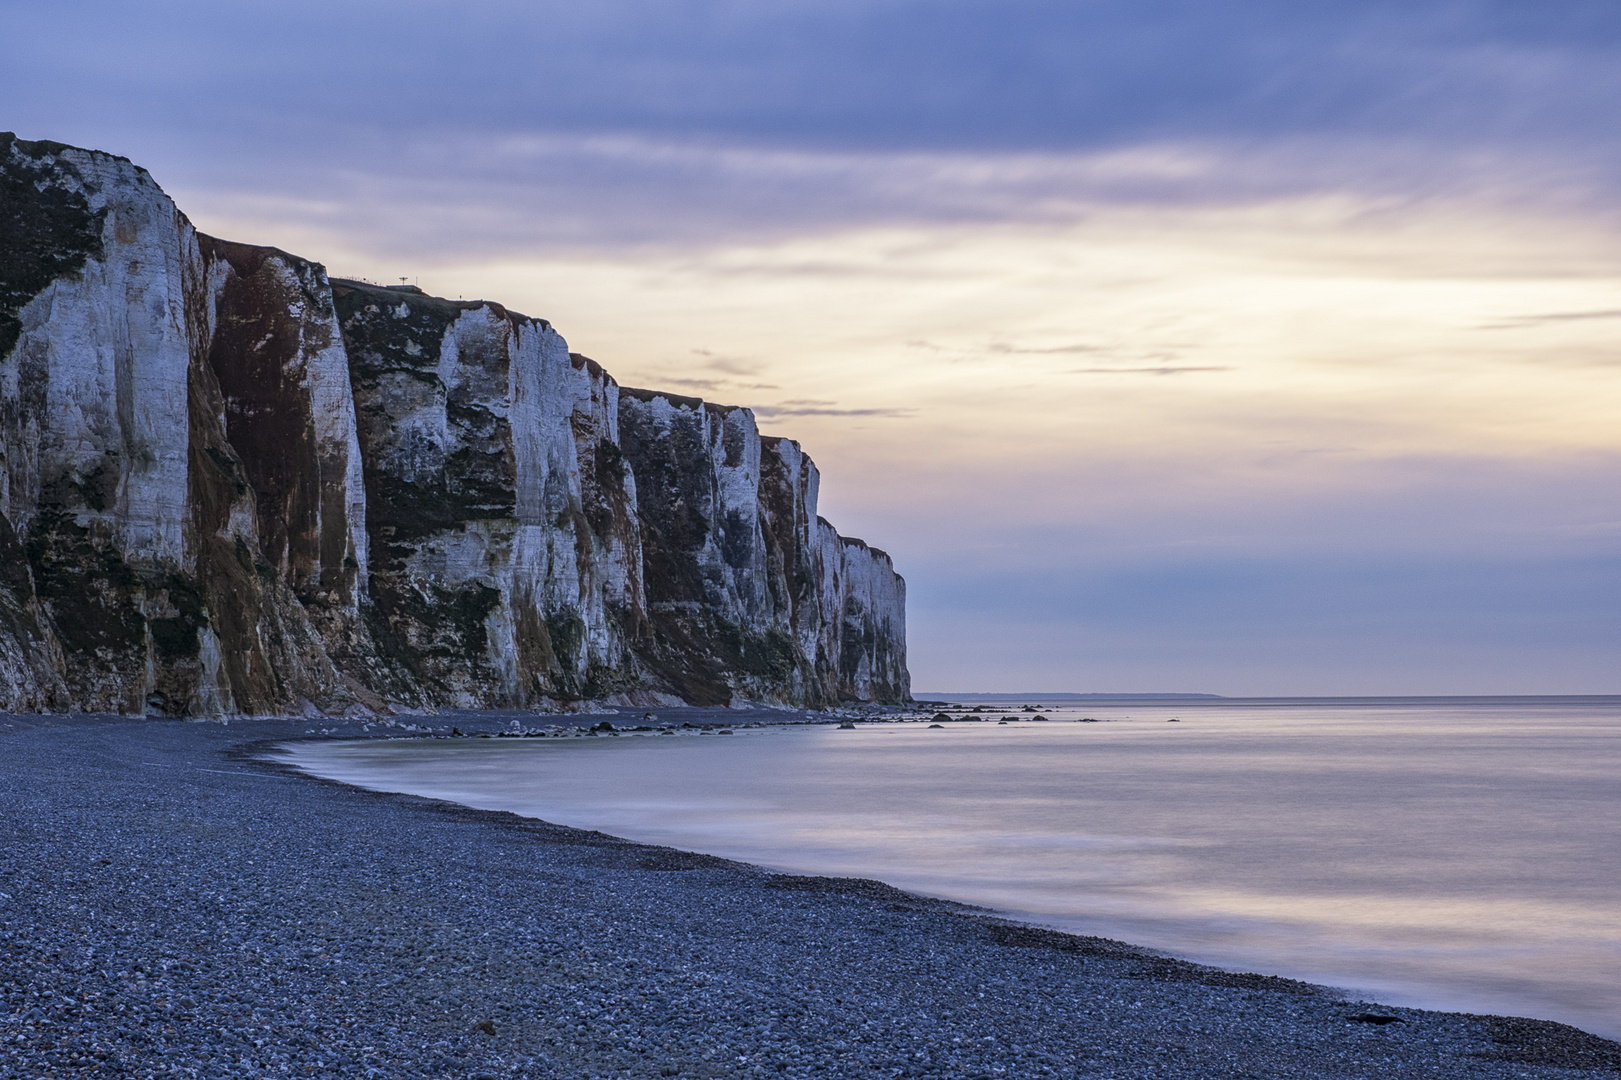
x=171, y=904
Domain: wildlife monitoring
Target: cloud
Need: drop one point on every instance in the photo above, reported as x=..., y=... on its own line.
x=1239, y=626
x=1145, y=370
x=464, y=193
x=1521, y=322
x=494, y=127
x=924, y=74
x=728, y=365
x=1056, y=350
x=773, y=411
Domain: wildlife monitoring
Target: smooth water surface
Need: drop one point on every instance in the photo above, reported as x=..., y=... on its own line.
x=1451, y=854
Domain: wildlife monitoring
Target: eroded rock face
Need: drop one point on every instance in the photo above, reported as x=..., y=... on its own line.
x=505, y=551
x=748, y=591
x=230, y=484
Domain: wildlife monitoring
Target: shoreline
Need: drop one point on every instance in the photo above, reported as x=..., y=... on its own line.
x=170, y=900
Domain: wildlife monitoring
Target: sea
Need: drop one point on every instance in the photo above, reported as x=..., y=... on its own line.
x=1461, y=854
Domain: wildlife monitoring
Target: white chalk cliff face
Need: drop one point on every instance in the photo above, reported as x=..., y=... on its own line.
x=229, y=484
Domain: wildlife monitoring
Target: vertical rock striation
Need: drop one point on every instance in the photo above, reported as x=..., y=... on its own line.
x=748, y=591
x=505, y=554
x=231, y=484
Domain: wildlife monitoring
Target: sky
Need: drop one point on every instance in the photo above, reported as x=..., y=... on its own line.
x=1257, y=348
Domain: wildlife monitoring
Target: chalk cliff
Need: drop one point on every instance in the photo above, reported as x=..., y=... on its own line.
x=230, y=484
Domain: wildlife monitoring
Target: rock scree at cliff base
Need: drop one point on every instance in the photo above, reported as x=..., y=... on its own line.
x=232, y=484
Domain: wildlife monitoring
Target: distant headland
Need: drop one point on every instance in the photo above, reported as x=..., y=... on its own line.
x=1032, y=696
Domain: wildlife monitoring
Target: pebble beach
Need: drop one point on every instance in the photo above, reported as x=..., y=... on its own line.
x=174, y=902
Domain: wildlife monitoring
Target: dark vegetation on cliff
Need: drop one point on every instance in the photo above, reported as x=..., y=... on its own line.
x=232, y=484
x=47, y=229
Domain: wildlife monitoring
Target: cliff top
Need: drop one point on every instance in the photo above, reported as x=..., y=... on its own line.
x=411, y=294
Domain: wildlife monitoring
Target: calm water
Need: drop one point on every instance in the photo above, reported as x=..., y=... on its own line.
x=1450, y=854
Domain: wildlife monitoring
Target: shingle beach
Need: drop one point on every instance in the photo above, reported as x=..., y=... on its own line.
x=174, y=904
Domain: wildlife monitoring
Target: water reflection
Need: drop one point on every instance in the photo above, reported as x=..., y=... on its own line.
x=1454, y=855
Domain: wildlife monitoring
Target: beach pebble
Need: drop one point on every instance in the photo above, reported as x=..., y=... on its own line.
x=176, y=908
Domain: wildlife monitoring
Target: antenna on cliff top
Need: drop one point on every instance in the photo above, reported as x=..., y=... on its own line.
x=405, y=281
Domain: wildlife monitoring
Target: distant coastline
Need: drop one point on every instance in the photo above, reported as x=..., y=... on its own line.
x=923, y=697
x=932, y=696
